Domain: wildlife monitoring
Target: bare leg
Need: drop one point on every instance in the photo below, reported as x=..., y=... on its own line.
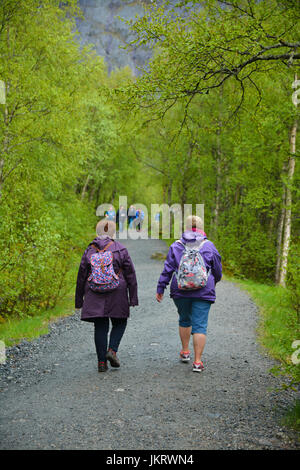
x=185, y=335
x=199, y=341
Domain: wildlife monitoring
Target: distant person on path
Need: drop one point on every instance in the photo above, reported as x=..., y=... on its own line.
x=100, y=307
x=111, y=214
x=137, y=220
x=122, y=218
x=131, y=215
x=141, y=217
x=157, y=219
x=192, y=305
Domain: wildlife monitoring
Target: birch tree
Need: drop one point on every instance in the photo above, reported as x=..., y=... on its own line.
x=215, y=43
x=287, y=222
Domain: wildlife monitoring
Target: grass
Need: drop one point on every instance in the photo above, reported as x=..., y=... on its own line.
x=158, y=256
x=278, y=326
x=277, y=329
x=15, y=330
x=292, y=418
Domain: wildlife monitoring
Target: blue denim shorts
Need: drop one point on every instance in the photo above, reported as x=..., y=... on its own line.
x=194, y=313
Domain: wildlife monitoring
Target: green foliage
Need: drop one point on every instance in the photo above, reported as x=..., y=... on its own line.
x=292, y=418
x=200, y=45
x=278, y=327
x=73, y=137
x=57, y=127
x=216, y=103
x=293, y=278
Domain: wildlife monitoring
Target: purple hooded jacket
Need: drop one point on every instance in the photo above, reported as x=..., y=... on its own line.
x=212, y=260
x=109, y=304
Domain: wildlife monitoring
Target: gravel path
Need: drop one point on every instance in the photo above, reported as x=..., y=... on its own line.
x=52, y=396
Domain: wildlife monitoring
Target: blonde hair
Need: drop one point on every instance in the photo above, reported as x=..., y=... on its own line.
x=106, y=228
x=193, y=221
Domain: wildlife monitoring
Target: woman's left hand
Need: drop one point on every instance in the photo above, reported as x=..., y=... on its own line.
x=159, y=297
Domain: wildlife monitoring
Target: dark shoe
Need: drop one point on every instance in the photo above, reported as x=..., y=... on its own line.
x=111, y=356
x=102, y=366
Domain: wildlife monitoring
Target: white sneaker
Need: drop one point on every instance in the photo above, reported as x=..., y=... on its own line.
x=185, y=356
x=198, y=367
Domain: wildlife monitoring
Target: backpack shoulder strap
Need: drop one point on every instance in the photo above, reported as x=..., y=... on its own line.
x=202, y=243
x=103, y=249
x=106, y=246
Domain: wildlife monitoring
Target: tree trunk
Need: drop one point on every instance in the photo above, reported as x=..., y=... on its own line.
x=218, y=153
x=92, y=193
x=164, y=190
x=169, y=204
x=5, y=147
x=237, y=195
x=218, y=189
x=280, y=229
x=85, y=187
x=114, y=192
x=170, y=192
x=288, y=206
x=98, y=195
x=185, y=183
x=218, y=157
x=279, y=243
x=6, y=124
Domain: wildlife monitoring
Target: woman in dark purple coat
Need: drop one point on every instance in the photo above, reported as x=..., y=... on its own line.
x=100, y=307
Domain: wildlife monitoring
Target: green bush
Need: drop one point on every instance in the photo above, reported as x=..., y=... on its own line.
x=37, y=256
x=293, y=278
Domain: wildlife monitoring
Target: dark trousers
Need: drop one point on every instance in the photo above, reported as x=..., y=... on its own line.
x=101, y=335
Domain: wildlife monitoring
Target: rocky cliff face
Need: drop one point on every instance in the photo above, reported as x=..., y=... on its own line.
x=102, y=27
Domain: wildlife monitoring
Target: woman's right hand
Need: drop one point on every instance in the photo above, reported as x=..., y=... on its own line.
x=159, y=297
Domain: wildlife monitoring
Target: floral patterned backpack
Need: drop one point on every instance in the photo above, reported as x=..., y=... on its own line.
x=103, y=277
x=192, y=273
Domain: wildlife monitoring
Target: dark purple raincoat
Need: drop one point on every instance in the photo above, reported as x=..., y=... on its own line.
x=114, y=304
x=212, y=260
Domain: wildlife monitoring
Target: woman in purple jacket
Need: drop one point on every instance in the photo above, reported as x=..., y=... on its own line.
x=100, y=307
x=192, y=306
